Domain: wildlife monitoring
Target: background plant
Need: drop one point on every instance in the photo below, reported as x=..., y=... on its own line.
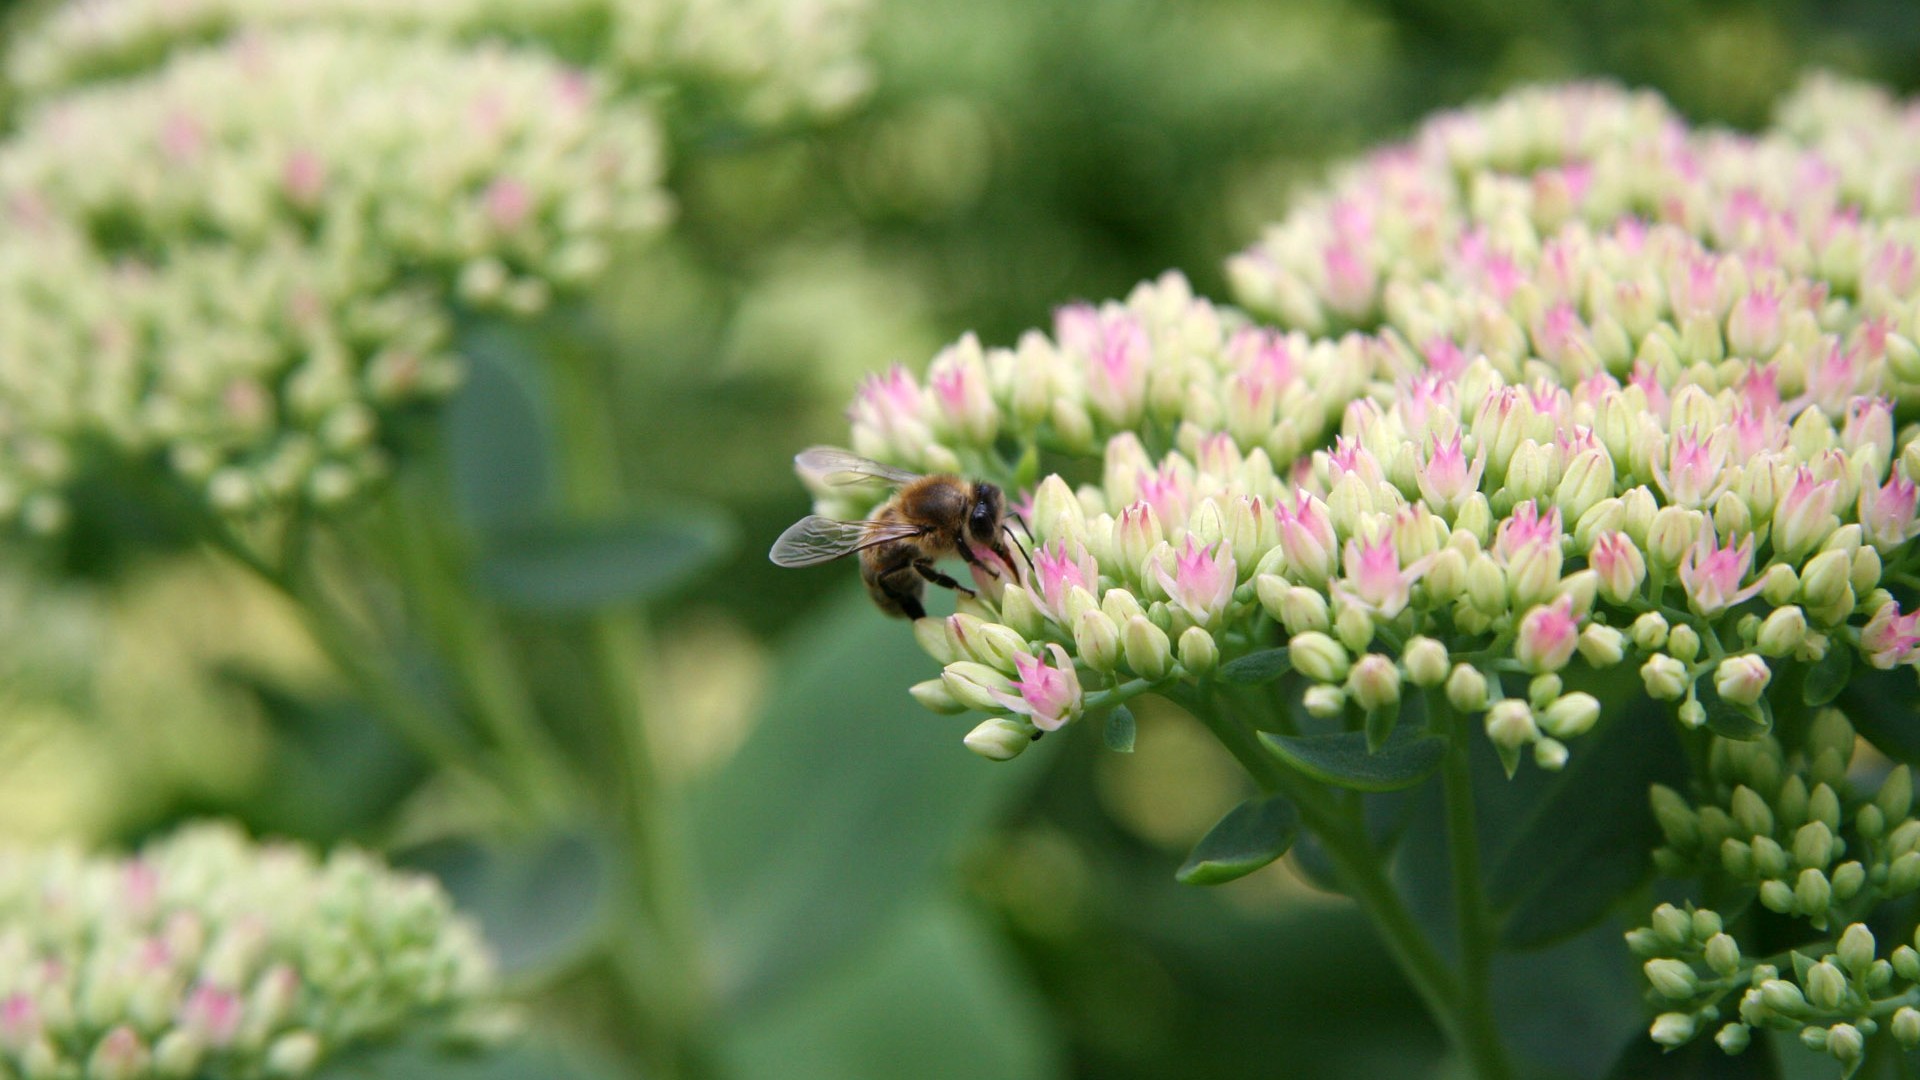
x=815, y=234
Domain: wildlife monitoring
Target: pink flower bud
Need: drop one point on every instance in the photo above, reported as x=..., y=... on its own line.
x=1887, y=512
x=964, y=404
x=1307, y=538
x=1889, y=638
x=1202, y=580
x=1115, y=350
x=1742, y=679
x=1445, y=477
x=1048, y=695
x=1135, y=536
x=1374, y=578
x=1712, y=575
x=1546, y=636
x=1619, y=564
x=1804, y=517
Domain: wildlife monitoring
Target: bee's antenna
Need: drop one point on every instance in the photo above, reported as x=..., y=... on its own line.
x=1019, y=547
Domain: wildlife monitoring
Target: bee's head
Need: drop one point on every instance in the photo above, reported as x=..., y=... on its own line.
x=983, y=518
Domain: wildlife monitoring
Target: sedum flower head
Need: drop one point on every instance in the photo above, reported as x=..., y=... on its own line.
x=243, y=265
x=1607, y=390
x=207, y=954
x=765, y=61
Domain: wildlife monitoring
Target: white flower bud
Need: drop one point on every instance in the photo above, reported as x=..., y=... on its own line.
x=999, y=739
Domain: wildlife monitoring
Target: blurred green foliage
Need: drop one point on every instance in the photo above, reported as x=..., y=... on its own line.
x=877, y=903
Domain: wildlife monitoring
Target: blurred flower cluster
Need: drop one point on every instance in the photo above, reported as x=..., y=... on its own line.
x=207, y=954
x=768, y=61
x=243, y=263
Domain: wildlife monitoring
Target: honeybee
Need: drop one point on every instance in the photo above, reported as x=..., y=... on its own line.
x=927, y=519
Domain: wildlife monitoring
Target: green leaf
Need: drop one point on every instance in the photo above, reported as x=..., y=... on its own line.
x=934, y=997
x=1827, y=676
x=1341, y=758
x=539, y=902
x=1580, y=837
x=574, y=567
x=1255, y=667
x=1119, y=730
x=415, y=1060
x=336, y=769
x=1885, y=709
x=1252, y=835
x=496, y=431
x=846, y=803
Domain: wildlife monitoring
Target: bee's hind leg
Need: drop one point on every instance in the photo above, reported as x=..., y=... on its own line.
x=927, y=570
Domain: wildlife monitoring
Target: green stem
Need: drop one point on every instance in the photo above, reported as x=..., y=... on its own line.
x=1471, y=915
x=1342, y=830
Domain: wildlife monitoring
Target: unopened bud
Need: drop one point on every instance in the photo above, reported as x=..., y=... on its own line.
x=1678, y=823
x=974, y=684
x=1571, y=716
x=1733, y=1038
x=1467, y=688
x=1319, y=657
x=933, y=694
x=1845, y=1043
x=1096, y=637
x=1148, y=649
x=1783, y=997
x=1650, y=631
x=1018, y=613
x=1672, y=979
x=1813, y=894
x=1856, y=948
x=1324, y=701
x=1602, y=646
x=1199, y=653
x=1906, y=1027
x=999, y=739
x=1374, y=682
x=293, y=1054
x=1782, y=632
x=1743, y=679
x=1672, y=1029
x=1683, y=643
x=1426, y=661
x=1895, y=798
x=1665, y=678
x=1813, y=845
x=1723, y=954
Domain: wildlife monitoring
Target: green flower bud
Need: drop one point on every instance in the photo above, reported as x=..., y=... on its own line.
x=1706, y=923
x=1783, y=997
x=1683, y=643
x=1906, y=1027
x=1848, y=878
x=1550, y=754
x=1780, y=585
x=1486, y=585
x=1791, y=802
x=1845, y=1043
x=1571, y=716
x=1777, y=896
x=293, y=1054
x=1510, y=727
x=1649, y=631
x=934, y=695
x=1674, y=926
x=1783, y=632
x=1813, y=895
x=1813, y=845
x=1879, y=976
x=1199, y=654
x=1149, y=650
x=1672, y=1029
x=1826, y=580
x=1666, y=678
x=1678, y=823
x=1354, y=628
x=1374, y=682
x=1736, y=858
x=1723, y=954
x=1644, y=942
x=1097, y=639
x=1895, y=798
x=1304, y=611
x=1670, y=534
x=1865, y=571
x=1324, y=701
x=1769, y=858
x=1319, y=657
x=1903, y=874
x=1018, y=613
x=1751, y=812
x=1731, y=516
x=1824, y=806
x=1446, y=576
x=974, y=684
x=1120, y=606
x=931, y=634
x=1743, y=679
x=1733, y=1038
x=1906, y=963
x=1672, y=979
x=1813, y=1038
x=1475, y=517
x=1426, y=662
x=1602, y=646
x=1000, y=739
x=1467, y=688
x=178, y=1054
x=1856, y=948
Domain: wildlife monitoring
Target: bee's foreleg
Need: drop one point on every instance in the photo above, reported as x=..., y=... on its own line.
x=965, y=548
x=927, y=570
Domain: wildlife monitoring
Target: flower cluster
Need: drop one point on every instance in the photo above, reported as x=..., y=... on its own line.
x=768, y=60
x=243, y=263
x=1790, y=828
x=1627, y=395
x=209, y=955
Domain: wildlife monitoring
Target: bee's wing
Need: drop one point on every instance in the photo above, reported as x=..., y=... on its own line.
x=814, y=539
x=838, y=467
